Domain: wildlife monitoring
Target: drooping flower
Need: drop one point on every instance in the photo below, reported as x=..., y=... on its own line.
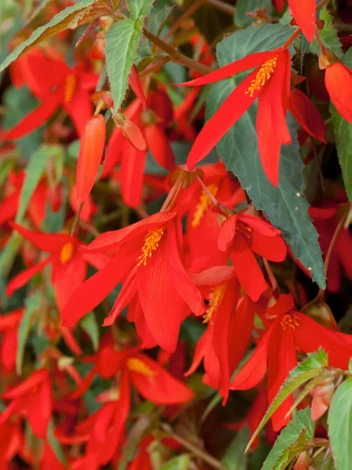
x=69, y=265
x=152, y=250
x=270, y=83
x=33, y=399
x=243, y=235
x=277, y=349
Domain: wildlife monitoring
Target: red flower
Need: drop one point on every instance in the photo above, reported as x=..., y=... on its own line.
x=303, y=12
x=9, y=324
x=69, y=265
x=338, y=82
x=55, y=84
x=270, y=83
x=277, y=349
x=152, y=250
x=33, y=399
x=243, y=235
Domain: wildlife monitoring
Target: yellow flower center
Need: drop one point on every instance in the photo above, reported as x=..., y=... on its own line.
x=70, y=87
x=203, y=204
x=288, y=321
x=215, y=299
x=151, y=243
x=265, y=72
x=66, y=252
x=136, y=365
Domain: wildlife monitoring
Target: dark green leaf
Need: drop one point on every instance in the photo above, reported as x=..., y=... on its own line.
x=235, y=458
x=60, y=22
x=121, y=48
x=340, y=425
x=291, y=441
x=285, y=206
x=248, y=6
x=177, y=463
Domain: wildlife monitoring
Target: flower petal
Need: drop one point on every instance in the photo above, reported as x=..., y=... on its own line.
x=303, y=12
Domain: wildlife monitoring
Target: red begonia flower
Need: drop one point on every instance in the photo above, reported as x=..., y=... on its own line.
x=338, y=82
x=303, y=12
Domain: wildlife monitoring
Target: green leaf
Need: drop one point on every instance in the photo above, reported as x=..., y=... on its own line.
x=285, y=206
x=63, y=20
x=55, y=445
x=32, y=304
x=328, y=35
x=90, y=326
x=177, y=463
x=235, y=458
x=340, y=425
x=291, y=441
x=247, y=6
x=34, y=172
x=139, y=8
x=343, y=137
x=306, y=370
x=8, y=253
x=122, y=41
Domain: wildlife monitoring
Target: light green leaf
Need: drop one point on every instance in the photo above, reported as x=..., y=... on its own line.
x=122, y=41
x=32, y=304
x=235, y=458
x=285, y=206
x=60, y=22
x=328, y=35
x=8, y=253
x=306, y=370
x=177, y=463
x=34, y=172
x=247, y=6
x=291, y=441
x=54, y=444
x=139, y=8
x=343, y=137
x=90, y=326
x=340, y=425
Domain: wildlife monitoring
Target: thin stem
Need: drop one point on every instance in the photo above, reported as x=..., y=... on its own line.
x=207, y=192
x=172, y=194
x=189, y=12
x=222, y=6
x=214, y=463
x=176, y=55
x=76, y=219
x=272, y=279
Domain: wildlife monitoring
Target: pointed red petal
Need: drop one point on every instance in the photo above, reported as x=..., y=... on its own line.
x=227, y=232
x=113, y=151
x=126, y=294
x=224, y=118
x=22, y=278
x=79, y=110
x=159, y=146
x=51, y=242
x=90, y=154
x=132, y=174
x=135, y=84
x=247, y=63
x=134, y=135
x=32, y=381
x=271, y=248
x=306, y=114
x=338, y=82
x=303, y=12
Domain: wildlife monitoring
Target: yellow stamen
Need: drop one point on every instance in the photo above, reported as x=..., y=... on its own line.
x=66, y=252
x=288, y=321
x=136, y=365
x=215, y=299
x=70, y=87
x=151, y=243
x=244, y=229
x=203, y=204
x=265, y=72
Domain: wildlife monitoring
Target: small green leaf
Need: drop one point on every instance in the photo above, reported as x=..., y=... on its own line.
x=243, y=7
x=139, y=8
x=291, y=441
x=122, y=41
x=32, y=304
x=8, y=253
x=306, y=370
x=60, y=22
x=34, y=172
x=90, y=326
x=55, y=445
x=343, y=137
x=235, y=458
x=340, y=426
x=177, y=463
x=285, y=206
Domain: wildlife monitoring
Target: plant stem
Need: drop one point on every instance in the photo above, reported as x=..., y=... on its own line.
x=194, y=7
x=176, y=55
x=222, y=6
x=214, y=463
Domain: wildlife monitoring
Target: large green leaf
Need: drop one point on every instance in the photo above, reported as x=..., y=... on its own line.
x=291, y=441
x=61, y=21
x=340, y=426
x=285, y=206
x=308, y=369
x=122, y=41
